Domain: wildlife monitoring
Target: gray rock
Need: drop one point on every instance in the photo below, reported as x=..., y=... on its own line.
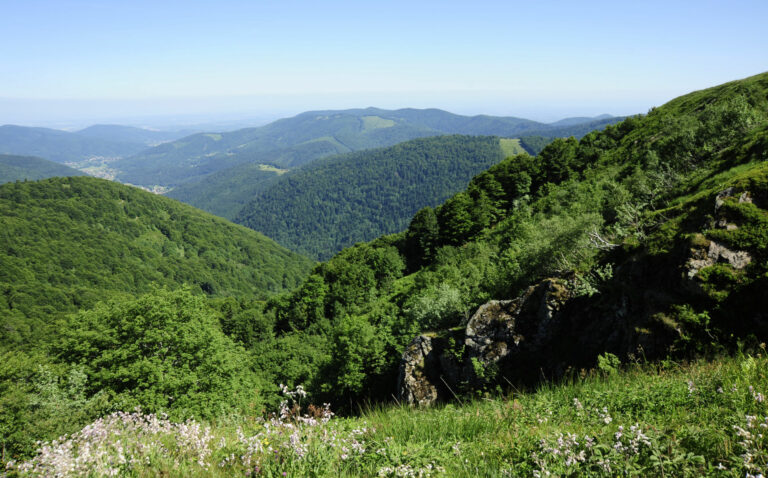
x=503, y=334
x=415, y=381
x=716, y=253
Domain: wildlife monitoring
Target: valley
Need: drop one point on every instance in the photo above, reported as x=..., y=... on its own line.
x=470, y=296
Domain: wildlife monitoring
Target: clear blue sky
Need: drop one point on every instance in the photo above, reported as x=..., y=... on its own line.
x=540, y=59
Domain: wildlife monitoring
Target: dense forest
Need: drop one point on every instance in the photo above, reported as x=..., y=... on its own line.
x=334, y=203
x=225, y=193
x=21, y=168
x=68, y=243
x=613, y=220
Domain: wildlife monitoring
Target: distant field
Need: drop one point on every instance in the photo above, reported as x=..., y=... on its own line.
x=511, y=146
x=376, y=122
x=267, y=167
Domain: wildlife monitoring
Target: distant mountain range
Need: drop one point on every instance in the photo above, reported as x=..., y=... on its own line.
x=20, y=168
x=171, y=158
x=131, y=134
x=299, y=140
x=61, y=146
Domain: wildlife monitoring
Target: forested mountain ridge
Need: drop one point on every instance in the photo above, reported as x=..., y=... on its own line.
x=291, y=142
x=70, y=242
x=225, y=193
x=333, y=203
x=20, y=168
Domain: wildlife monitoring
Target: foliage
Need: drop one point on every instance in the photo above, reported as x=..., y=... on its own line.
x=626, y=209
x=161, y=352
x=293, y=142
x=225, y=193
x=611, y=212
x=67, y=243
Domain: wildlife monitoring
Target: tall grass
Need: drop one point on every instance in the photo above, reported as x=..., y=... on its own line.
x=666, y=419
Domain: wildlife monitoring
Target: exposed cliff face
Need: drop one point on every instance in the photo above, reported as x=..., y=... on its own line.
x=548, y=330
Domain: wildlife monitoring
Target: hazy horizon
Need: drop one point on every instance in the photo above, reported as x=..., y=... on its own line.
x=72, y=63
x=170, y=113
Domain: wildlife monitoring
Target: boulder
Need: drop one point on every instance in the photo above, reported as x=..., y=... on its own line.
x=426, y=369
x=506, y=335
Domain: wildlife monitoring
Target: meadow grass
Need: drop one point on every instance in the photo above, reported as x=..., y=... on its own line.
x=665, y=419
x=511, y=147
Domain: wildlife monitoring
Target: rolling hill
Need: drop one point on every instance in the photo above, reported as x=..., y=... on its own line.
x=70, y=242
x=225, y=193
x=21, y=168
x=61, y=146
x=333, y=203
x=612, y=262
x=292, y=142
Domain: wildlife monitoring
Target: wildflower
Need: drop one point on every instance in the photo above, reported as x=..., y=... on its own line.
x=604, y=416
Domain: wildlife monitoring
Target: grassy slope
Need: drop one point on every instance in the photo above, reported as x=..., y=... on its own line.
x=20, y=168
x=511, y=146
x=545, y=233
x=646, y=420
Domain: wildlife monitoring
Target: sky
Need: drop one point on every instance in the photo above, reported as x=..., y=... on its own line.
x=67, y=62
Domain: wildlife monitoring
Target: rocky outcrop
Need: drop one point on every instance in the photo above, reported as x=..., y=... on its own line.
x=426, y=368
x=506, y=334
x=416, y=379
x=501, y=334
x=706, y=253
x=547, y=330
x=713, y=254
x=543, y=333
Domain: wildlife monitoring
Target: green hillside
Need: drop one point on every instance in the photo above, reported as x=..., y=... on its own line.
x=61, y=146
x=70, y=242
x=225, y=193
x=21, y=168
x=605, y=228
x=292, y=142
x=558, y=308
x=334, y=203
